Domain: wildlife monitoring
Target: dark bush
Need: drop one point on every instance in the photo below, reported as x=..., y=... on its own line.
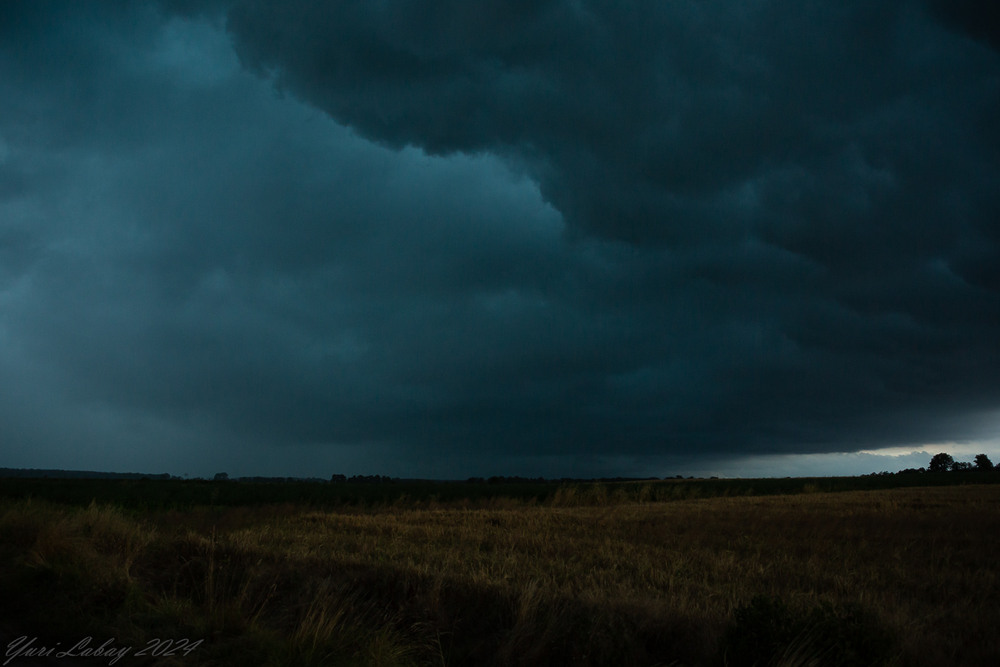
x=849, y=636
x=758, y=633
x=767, y=633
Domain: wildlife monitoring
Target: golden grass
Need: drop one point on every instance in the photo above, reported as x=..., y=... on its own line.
x=615, y=583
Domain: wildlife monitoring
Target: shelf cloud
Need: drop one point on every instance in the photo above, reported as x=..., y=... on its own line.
x=559, y=237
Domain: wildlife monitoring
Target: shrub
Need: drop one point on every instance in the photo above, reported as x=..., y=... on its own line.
x=851, y=636
x=757, y=633
x=767, y=632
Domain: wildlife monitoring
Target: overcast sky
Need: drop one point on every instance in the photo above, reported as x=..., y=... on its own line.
x=444, y=239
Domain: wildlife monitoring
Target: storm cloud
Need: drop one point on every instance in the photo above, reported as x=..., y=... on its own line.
x=495, y=238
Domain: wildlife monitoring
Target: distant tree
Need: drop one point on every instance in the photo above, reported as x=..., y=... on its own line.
x=338, y=478
x=941, y=463
x=983, y=462
x=959, y=466
x=221, y=476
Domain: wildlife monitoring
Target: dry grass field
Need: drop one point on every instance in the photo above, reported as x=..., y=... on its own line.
x=897, y=577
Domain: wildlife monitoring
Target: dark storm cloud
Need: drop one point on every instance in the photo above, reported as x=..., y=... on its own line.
x=631, y=120
x=555, y=231
x=980, y=20
x=852, y=143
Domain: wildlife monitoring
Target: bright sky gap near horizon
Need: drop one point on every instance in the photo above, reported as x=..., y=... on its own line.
x=452, y=239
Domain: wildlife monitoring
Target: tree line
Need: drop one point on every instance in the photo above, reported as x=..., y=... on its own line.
x=944, y=462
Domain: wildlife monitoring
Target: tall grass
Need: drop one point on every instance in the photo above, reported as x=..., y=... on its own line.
x=593, y=576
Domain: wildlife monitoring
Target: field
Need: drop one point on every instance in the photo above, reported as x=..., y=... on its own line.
x=783, y=572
